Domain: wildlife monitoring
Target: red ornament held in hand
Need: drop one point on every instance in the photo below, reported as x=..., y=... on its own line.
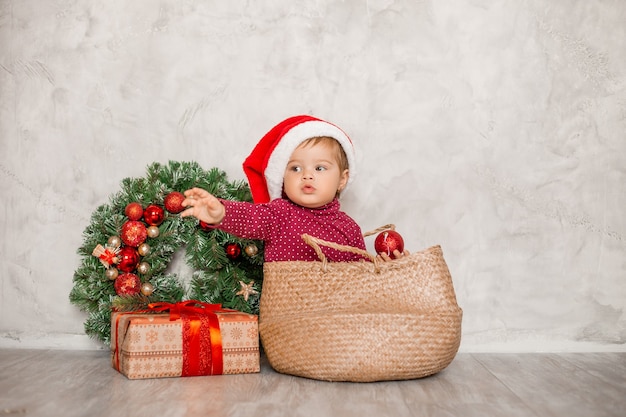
x=388, y=241
x=173, y=202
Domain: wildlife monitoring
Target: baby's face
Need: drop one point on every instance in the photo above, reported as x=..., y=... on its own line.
x=312, y=177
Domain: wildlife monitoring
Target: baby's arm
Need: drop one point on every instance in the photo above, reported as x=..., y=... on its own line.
x=203, y=205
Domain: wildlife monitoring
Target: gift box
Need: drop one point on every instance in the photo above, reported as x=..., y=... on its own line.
x=184, y=339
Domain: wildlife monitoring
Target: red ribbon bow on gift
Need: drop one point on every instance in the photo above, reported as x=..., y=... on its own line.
x=202, y=339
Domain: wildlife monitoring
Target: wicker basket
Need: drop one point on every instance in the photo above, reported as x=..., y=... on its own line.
x=360, y=321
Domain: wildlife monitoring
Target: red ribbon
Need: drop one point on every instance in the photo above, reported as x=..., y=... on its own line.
x=202, y=339
x=108, y=257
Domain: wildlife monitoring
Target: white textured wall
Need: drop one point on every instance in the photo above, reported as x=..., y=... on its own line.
x=493, y=128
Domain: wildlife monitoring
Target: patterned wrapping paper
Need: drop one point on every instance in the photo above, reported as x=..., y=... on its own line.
x=151, y=346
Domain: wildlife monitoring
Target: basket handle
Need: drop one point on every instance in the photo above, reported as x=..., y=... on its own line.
x=380, y=229
x=315, y=243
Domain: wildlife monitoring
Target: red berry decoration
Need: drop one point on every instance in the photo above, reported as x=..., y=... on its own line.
x=127, y=284
x=174, y=202
x=129, y=258
x=388, y=241
x=134, y=233
x=153, y=215
x=205, y=226
x=233, y=251
x=134, y=211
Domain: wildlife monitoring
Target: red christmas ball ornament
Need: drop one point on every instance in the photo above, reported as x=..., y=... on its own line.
x=127, y=284
x=129, y=258
x=174, y=202
x=134, y=233
x=153, y=215
x=388, y=241
x=233, y=251
x=133, y=211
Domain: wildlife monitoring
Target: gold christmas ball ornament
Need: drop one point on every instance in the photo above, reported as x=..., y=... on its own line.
x=143, y=268
x=143, y=249
x=114, y=242
x=111, y=273
x=147, y=289
x=251, y=250
x=153, y=231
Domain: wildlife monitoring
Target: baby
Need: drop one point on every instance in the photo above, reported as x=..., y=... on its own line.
x=296, y=174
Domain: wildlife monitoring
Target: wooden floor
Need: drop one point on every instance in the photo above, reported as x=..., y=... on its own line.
x=82, y=383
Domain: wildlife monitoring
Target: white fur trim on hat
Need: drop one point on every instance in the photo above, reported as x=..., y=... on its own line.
x=277, y=162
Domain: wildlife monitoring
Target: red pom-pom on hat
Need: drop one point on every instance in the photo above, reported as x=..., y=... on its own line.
x=265, y=166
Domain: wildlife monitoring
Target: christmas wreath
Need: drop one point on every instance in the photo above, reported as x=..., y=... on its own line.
x=131, y=241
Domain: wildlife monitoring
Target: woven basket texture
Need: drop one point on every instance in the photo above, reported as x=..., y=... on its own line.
x=360, y=321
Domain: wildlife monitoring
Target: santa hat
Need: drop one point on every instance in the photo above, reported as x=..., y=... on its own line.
x=265, y=166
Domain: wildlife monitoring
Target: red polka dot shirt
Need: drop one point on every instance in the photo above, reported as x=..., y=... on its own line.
x=280, y=224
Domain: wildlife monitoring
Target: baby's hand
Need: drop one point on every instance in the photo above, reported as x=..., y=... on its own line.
x=386, y=258
x=203, y=205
